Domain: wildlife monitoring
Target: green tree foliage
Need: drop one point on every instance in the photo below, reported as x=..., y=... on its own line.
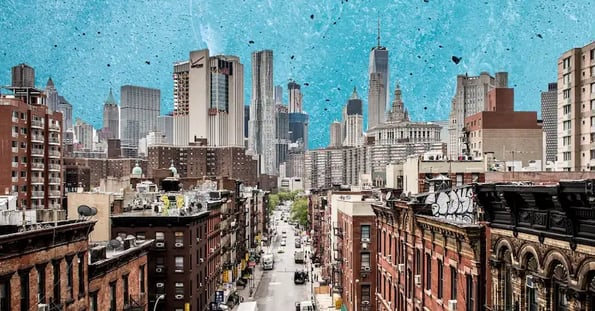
x=299, y=211
x=288, y=196
x=273, y=202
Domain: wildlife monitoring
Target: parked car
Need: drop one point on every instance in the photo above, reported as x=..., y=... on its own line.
x=283, y=242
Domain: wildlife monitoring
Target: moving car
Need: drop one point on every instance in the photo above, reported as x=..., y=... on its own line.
x=283, y=242
x=300, y=277
x=268, y=261
x=299, y=256
x=304, y=306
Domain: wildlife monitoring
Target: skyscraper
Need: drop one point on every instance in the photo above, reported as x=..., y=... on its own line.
x=470, y=98
x=51, y=95
x=139, y=111
x=278, y=94
x=295, y=97
x=83, y=132
x=261, y=140
x=549, y=114
x=23, y=76
x=335, y=139
x=378, y=91
x=281, y=134
x=66, y=109
x=111, y=117
x=209, y=99
x=353, y=122
x=165, y=125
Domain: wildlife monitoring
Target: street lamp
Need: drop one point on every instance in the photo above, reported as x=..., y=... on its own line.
x=355, y=293
x=162, y=296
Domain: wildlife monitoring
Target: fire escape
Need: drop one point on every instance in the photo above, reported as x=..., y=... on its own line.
x=337, y=265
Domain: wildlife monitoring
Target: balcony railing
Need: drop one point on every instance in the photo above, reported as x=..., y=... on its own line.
x=37, y=151
x=54, y=127
x=36, y=123
x=37, y=180
x=54, y=140
x=37, y=166
x=37, y=138
x=37, y=194
x=54, y=167
x=54, y=180
x=55, y=153
x=55, y=193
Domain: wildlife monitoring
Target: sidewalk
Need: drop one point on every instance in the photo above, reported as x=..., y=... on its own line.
x=324, y=301
x=257, y=274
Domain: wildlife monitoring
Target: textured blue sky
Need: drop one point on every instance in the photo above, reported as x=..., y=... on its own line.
x=89, y=46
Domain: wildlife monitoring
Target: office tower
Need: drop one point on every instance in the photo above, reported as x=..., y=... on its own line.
x=209, y=99
x=278, y=94
x=576, y=108
x=23, y=76
x=111, y=117
x=31, y=157
x=378, y=91
x=281, y=134
x=295, y=97
x=66, y=109
x=261, y=140
x=549, y=114
x=51, y=95
x=83, y=133
x=140, y=107
x=165, y=125
x=470, y=98
x=246, y=120
x=353, y=122
x=336, y=136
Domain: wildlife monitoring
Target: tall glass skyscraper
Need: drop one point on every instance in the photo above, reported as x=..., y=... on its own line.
x=378, y=91
x=140, y=107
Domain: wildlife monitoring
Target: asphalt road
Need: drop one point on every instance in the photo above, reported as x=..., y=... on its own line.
x=277, y=290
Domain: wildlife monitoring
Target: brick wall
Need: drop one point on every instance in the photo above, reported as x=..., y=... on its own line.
x=537, y=177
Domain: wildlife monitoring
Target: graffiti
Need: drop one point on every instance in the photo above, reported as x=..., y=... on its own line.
x=453, y=204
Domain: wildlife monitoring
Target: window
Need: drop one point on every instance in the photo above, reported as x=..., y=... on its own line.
x=366, y=292
x=40, y=284
x=459, y=179
x=69, y=277
x=179, y=264
x=440, y=278
x=531, y=295
x=112, y=296
x=365, y=261
x=24, y=277
x=141, y=277
x=409, y=283
x=561, y=303
x=418, y=261
x=428, y=271
x=93, y=301
x=470, y=299
x=179, y=238
x=81, y=274
x=159, y=236
x=5, y=294
x=140, y=236
x=365, y=232
x=453, y=283
x=125, y=290
x=179, y=290
x=57, y=289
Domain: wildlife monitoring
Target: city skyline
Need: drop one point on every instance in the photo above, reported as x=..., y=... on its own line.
x=137, y=62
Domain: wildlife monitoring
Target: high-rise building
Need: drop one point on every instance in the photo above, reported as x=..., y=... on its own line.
x=83, y=133
x=549, y=114
x=295, y=97
x=111, y=117
x=470, y=98
x=246, y=120
x=140, y=107
x=51, y=95
x=278, y=94
x=378, y=91
x=576, y=107
x=31, y=157
x=165, y=125
x=298, y=128
x=261, y=140
x=335, y=139
x=353, y=122
x=66, y=109
x=281, y=134
x=23, y=76
x=209, y=99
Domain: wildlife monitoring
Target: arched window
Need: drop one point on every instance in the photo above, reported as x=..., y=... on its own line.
x=530, y=290
x=506, y=281
x=560, y=277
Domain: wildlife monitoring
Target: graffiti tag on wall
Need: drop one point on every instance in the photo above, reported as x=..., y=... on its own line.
x=453, y=204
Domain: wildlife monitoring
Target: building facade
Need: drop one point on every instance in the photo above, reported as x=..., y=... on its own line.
x=83, y=133
x=111, y=118
x=261, y=138
x=140, y=107
x=576, y=103
x=281, y=134
x=335, y=133
x=549, y=113
x=295, y=97
x=378, y=87
x=352, y=128
x=541, y=254
x=470, y=98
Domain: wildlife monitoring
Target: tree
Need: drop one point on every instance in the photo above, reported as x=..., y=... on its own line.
x=272, y=203
x=299, y=211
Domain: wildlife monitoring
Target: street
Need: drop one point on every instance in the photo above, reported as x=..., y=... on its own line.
x=277, y=288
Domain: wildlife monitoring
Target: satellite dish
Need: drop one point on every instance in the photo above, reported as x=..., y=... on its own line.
x=86, y=211
x=114, y=244
x=389, y=196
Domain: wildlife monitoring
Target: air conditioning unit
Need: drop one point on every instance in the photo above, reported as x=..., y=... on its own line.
x=367, y=269
x=43, y=307
x=452, y=305
x=199, y=284
x=389, y=258
x=158, y=269
x=179, y=296
x=365, y=302
x=197, y=240
x=179, y=244
x=364, y=245
x=201, y=260
x=401, y=267
x=365, y=240
x=160, y=285
x=418, y=280
x=160, y=244
x=529, y=281
x=212, y=250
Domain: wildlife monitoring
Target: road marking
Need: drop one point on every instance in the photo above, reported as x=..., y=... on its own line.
x=275, y=283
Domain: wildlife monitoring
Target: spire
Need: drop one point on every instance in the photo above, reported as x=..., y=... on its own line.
x=110, y=98
x=378, y=36
x=50, y=83
x=354, y=95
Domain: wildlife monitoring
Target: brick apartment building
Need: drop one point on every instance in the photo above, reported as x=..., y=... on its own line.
x=430, y=257
x=118, y=275
x=542, y=249
x=52, y=273
x=31, y=160
x=199, y=161
x=98, y=169
x=353, y=273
